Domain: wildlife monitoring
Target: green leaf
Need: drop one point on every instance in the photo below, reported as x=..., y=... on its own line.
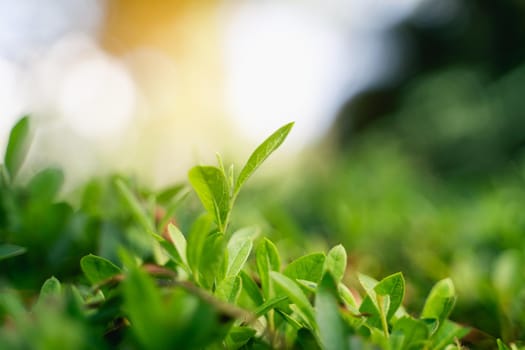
x=212, y=188
x=440, y=301
x=229, y=289
x=45, y=185
x=267, y=259
x=97, y=269
x=347, y=297
x=10, y=250
x=415, y=332
x=166, y=196
x=335, y=262
x=269, y=304
x=370, y=308
x=17, y=146
x=308, y=267
x=392, y=286
x=251, y=288
x=179, y=242
x=212, y=266
x=502, y=345
x=196, y=238
x=261, y=153
x=332, y=331
x=143, y=305
x=296, y=296
x=446, y=334
x=237, y=256
x=51, y=288
x=134, y=206
x=238, y=336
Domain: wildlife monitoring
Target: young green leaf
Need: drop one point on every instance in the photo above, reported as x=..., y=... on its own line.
x=296, y=296
x=97, y=269
x=332, y=332
x=335, y=262
x=308, y=267
x=179, y=242
x=229, y=289
x=237, y=256
x=17, y=146
x=50, y=288
x=440, y=301
x=10, y=250
x=212, y=188
x=261, y=153
x=392, y=286
x=267, y=259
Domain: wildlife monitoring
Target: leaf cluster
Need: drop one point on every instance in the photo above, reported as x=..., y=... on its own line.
x=153, y=286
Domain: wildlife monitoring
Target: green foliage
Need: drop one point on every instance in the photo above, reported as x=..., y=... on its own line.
x=17, y=147
x=10, y=250
x=137, y=285
x=97, y=269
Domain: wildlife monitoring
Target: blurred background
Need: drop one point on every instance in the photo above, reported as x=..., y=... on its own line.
x=410, y=128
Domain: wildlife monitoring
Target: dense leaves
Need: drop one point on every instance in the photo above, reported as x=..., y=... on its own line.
x=139, y=285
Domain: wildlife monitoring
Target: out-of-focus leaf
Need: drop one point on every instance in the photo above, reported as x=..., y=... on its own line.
x=502, y=345
x=212, y=188
x=17, y=146
x=332, y=331
x=97, y=269
x=307, y=340
x=134, y=206
x=51, y=289
x=260, y=154
x=167, y=195
x=308, y=267
x=10, y=250
x=45, y=185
